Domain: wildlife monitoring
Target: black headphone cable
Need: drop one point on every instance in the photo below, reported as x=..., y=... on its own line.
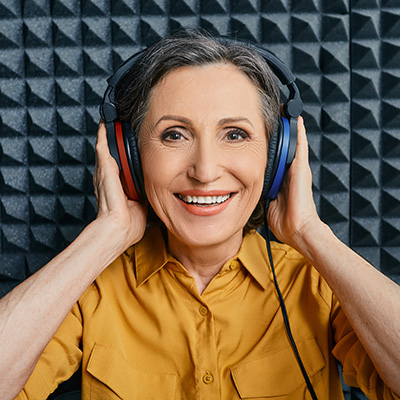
x=283, y=308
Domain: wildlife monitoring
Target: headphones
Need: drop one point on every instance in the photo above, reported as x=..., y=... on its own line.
x=123, y=145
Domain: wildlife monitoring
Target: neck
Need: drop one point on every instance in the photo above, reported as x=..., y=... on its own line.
x=204, y=262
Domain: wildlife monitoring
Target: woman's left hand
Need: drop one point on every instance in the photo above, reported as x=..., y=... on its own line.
x=368, y=298
x=293, y=211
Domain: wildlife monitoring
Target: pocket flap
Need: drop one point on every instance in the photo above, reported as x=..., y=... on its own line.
x=277, y=373
x=111, y=368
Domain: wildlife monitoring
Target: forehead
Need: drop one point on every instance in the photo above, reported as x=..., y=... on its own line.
x=211, y=89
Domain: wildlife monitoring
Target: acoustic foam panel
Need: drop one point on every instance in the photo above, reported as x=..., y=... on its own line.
x=56, y=55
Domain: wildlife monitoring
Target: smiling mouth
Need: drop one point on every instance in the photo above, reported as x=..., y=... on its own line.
x=204, y=201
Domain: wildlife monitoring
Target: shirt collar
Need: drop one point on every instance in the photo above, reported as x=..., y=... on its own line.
x=151, y=255
x=253, y=256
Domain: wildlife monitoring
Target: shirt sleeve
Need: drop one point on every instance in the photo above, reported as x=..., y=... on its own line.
x=59, y=360
x=358, y=369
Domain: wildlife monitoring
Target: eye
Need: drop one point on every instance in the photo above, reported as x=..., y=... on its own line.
x=235, y=135
x=172, y=136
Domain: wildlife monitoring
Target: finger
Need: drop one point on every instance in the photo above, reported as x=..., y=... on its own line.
x=103, y=154
x=98, y=148
x=302, y=143
x=101, y=142
x=301, y=130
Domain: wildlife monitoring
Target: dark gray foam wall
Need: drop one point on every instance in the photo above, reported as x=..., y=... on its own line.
x=55, y=56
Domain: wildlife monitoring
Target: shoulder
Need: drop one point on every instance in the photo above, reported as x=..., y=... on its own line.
x=123, y=276
x=295, y=271
x=282, y=250
x=117, y=277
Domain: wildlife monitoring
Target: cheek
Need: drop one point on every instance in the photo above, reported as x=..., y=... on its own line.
x=252, y=169
x=154, y=171
x=158, y=173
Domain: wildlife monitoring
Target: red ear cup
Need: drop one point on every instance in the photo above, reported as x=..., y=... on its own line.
x=125, y=173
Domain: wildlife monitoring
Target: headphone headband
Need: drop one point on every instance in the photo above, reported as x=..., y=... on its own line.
x=123, y=69
x=292, y=108
x=278, y=163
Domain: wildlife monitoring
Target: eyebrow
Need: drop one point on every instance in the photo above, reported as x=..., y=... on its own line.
x=221, y=122
x=174, y=118
x=225, y=121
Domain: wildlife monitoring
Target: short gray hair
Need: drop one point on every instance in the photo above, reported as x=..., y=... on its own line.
x=193, y=48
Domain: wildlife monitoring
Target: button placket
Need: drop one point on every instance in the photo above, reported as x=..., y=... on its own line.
x=206, y=354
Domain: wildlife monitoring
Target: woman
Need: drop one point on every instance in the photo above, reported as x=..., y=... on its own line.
x=190, y=310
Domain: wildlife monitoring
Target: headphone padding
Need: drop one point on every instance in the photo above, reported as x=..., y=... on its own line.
x=273, y=157
x=123, y=162
x=133, y=155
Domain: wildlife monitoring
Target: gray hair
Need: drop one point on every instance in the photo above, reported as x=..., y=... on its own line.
x=133, y=93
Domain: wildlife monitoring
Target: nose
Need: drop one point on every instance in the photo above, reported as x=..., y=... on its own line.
x=206, y=162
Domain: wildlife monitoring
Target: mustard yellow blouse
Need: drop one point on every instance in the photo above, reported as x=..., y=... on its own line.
x=142, y=331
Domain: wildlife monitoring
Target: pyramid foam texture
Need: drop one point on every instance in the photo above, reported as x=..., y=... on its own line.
x=56, y=55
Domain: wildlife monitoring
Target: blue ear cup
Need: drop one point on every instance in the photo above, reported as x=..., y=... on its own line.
x=278, y=160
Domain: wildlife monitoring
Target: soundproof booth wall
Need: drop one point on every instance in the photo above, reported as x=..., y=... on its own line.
x=55, y=57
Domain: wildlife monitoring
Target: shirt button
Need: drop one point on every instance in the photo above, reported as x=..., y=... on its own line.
x=208, y=378
x=203, y=310
x=234, y=264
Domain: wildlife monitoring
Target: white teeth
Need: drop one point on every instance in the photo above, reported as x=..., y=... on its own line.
x=204, y=199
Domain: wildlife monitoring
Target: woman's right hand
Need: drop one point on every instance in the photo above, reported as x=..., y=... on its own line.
x=125, y=218
x=32, y=312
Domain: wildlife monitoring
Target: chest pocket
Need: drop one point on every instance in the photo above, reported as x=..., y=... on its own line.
x=278, y=374
x=116, y=379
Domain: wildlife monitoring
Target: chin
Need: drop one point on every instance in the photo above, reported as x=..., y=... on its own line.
x=191, y=226
x=205, y=234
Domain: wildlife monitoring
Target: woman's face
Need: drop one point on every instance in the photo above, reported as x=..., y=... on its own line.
x=204, y=151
